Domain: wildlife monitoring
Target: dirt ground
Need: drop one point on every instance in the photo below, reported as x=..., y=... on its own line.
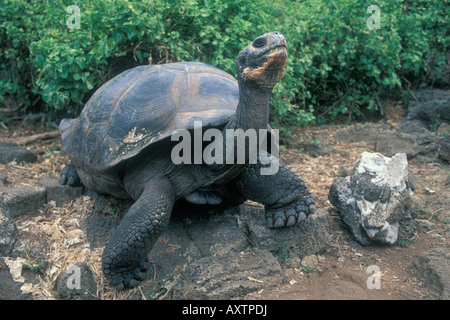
x=343, y=270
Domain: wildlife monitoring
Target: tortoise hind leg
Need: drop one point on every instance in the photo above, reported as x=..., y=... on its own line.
x=124, y=260
x=286, y=197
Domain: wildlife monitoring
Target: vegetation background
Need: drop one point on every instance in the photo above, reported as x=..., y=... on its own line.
x=337, y=65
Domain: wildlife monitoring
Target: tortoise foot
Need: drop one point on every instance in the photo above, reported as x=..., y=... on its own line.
x=128, y=276
x=69, y=176
x=289, y=215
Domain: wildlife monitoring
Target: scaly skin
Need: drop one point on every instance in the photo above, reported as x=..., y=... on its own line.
x=124, y=260
x=286, y=197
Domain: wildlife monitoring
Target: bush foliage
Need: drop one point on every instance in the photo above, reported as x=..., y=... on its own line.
x=337, y=64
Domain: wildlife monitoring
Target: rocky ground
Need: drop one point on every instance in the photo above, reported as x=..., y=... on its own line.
x=227, y=253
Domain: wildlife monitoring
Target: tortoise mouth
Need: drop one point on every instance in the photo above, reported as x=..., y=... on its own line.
x=278, y=50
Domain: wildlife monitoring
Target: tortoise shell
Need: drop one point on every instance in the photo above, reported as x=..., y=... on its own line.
x=144, y=105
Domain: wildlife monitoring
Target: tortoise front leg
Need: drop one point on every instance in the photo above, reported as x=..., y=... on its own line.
x=69, y=176
x=124, y=260
x=286, y=197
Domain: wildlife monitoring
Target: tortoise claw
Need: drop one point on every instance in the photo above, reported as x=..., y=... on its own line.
x=291, y=214
x=69, y=176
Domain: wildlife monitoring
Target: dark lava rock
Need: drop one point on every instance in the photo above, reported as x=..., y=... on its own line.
x=10, y=151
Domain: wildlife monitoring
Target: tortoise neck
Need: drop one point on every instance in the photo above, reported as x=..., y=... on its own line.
x=253, y=108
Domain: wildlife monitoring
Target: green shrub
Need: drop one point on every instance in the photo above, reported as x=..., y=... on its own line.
x=337, y=65
x=340, y=66
x=15, y=35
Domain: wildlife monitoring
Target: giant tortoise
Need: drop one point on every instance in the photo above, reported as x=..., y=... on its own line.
x=121, y=145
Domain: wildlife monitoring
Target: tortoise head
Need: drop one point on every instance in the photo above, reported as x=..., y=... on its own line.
x=261, y=64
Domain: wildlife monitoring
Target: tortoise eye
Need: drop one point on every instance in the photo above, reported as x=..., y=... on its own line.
x=260, y=42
